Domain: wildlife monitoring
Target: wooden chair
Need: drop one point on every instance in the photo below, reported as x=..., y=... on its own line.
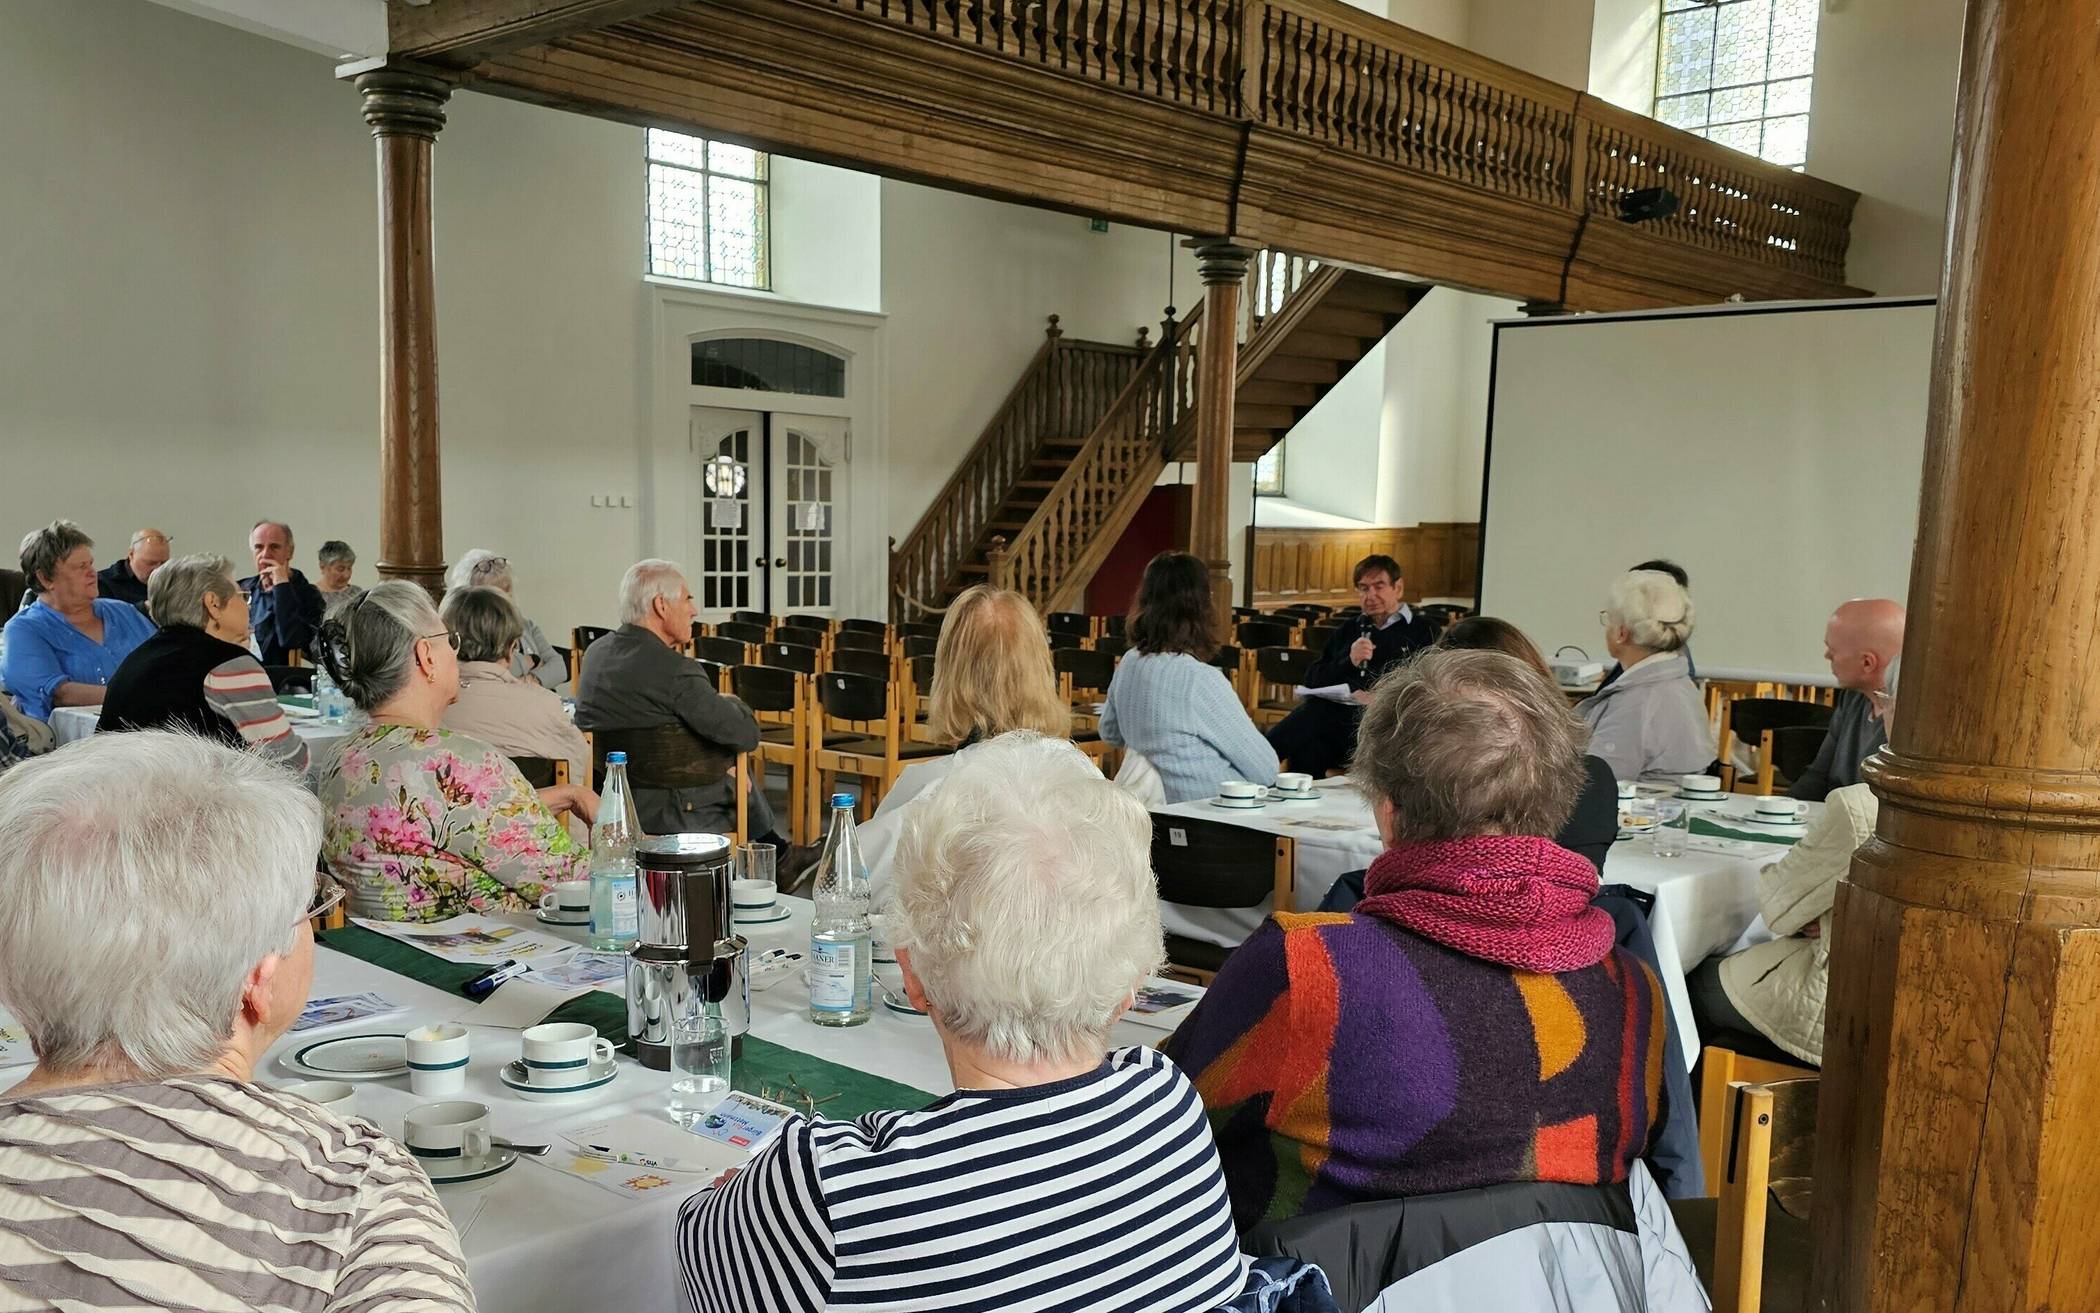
x=801, y=636
x=1115, y=626
x=920, y=645
x=1442, y=615
x=1794, y=749
x=1246, y=613
x=669, y=757
x=722, y=651
x=789, y=656
x=1264, y=633
x=1069, y=622
x=1203, y=863
x=1718, y=1069
x=750, y=617
x=860, y=640
x=1277, y=670
x=1753, y=719
x=1063, y=640
x=543, y=772
x=867, y=716
x=875, y=665
x=1113, y=645
x=580, y=639
x=290, y=679
x=1229, y=659
x=1082, y=679
x=823, y=624
x=918, y=629
x=743, y=631
x=918, y=677
x=779, y=700
x=860, y=626
x=1317, y=636
x=1752, y=1244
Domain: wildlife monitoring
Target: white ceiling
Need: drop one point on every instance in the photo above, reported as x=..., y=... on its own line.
x=339, y=29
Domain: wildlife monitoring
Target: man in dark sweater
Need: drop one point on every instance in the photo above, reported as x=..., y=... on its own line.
x=284, y=609
x=1862, y=640
x=1321, y=734
x=124, y=580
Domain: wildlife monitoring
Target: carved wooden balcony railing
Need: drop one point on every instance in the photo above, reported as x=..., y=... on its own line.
x=1063, y=393
x=1305, y=125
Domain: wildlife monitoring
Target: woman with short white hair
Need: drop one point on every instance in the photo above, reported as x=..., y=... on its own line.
x=1650, y=722
x=1025, y=918
x=497, y=704
x=155, y=940
x=536, y=658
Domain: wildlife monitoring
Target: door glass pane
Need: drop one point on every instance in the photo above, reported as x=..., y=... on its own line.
x=808, y=513
x=727, y=523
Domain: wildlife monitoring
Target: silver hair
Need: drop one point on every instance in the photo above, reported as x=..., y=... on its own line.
x=644, y=582
x=480, y=567
x=43, y=549
x=369, y=645
x=289, y=541
x=334, y=550
x=1654, y=608
x=147, y=873
x=145, y=534
x=176, y=592
x=486, y=620
x=1023, y=891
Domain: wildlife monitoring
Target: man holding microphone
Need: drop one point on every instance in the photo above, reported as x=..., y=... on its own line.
x=1321, y=734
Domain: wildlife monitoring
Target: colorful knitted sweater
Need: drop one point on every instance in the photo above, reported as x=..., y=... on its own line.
x=1343, y=1058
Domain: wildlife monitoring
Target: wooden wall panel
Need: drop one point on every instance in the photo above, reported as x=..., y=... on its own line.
x=1313, y=565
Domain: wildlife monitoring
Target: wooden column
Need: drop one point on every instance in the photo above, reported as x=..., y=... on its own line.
x=1224, y=267
x=1958, y=1166
x=406, y=111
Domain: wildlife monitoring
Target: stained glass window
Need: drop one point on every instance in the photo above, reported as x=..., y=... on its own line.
x=1268, y=473
x=707, y=211
x=1739, y=72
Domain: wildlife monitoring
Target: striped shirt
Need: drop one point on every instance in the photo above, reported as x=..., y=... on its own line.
x=240, y=690
x=205, y=1193
x=1099, y=1193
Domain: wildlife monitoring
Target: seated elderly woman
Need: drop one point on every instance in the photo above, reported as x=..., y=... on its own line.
x=535, y=658
x=992, y=673
x=1025, y=917
x=1650, y=722
x=1168, y=703
x=61, y=649
x=197, y=673
x=155, y=940
x=1493, y=1032
x=423, y=823
x=519, y=716
x=337, y=562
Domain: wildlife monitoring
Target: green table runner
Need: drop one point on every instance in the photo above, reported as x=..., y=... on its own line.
x=1715, y=830
x=842, y=1091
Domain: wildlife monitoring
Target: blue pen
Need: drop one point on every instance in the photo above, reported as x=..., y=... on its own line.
x=485, y=984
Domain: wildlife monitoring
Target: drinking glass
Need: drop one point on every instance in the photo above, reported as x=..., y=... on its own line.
x=757, y=861
x=699, y=1064
x=1674, y=832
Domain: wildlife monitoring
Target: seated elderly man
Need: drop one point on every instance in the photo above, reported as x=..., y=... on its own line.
x=1025, y=916
x=1491, y=1030
x=1861, y=643
x=635, y=678
x=284, y=608
x=1319, y=734
x=155, y=940
x=125, y=580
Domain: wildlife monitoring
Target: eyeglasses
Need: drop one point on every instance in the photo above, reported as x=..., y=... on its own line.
x=795, y=1096
x=329, y=894
x=451, y=636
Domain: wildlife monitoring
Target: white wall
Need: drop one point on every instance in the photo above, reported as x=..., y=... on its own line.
x=827, y=235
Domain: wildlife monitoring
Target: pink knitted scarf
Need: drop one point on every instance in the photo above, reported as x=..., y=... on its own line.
x=1519, y=900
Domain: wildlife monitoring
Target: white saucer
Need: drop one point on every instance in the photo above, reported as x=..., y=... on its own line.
x=1776, y=822
x=550, y=918
x=512, y=1074
x=352, y=1057
x=1716, y=796
x=776, y=918
x=458, y=1171
x=1236, y=805
x=1308, y=796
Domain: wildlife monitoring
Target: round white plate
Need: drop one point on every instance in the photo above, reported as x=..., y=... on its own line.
x=353, y=1057
x=775, y=919
x=512, y=1074
x=1237, y=806
x=551, y=918
x=458, y=1171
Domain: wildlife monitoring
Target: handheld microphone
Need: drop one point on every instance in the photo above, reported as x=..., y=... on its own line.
x=1363, y=630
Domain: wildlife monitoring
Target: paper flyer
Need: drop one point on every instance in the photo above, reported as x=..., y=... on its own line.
x=468, y=938
x=344, y=1008
x=1162, y=1004
x=14, y=1042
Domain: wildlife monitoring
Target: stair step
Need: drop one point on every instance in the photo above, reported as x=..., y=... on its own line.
x=1263, y=417
x=1327, y=346
x=1066, y=444
x=1359, y=291
x=973, y=568
x=1040, y=485
x=1283, y=368
x=1345, y=322
x=1264, y=391
x=1007, y=527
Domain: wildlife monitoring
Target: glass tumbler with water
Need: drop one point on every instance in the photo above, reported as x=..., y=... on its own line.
x=699, y=1063
x=1674, y=831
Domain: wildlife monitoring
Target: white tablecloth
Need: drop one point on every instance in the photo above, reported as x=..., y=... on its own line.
x=70, y=723
x=1705, y=900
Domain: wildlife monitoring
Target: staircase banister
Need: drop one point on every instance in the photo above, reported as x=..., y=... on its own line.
x=1285, y=319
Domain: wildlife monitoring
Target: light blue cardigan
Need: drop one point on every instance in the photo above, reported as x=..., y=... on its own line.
x=1183, y=716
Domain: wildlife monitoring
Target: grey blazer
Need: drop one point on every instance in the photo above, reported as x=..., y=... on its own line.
x=1650, y=723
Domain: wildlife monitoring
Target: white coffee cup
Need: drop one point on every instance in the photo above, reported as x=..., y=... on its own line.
x=456, y=1128
x=754, y=896
x=1239, y=790
x=1628, y=789
x=1292, y=781
x=437, y=1059
x=338, y=1096
x=1788, y=809
x=569, y=898
x=1699, y=783
x=879, y=936
x=561, y=1053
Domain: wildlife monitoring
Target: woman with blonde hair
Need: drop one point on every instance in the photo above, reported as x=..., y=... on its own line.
x=992, y=673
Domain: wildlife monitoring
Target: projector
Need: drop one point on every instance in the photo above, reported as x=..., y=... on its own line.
x=1571, y=672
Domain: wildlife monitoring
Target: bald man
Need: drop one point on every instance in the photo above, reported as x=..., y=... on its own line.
x=125, y=580
x=1862, y=640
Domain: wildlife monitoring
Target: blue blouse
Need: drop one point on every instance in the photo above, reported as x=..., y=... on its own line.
x=42, y=650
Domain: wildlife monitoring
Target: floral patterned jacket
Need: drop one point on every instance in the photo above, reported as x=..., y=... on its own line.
x=427, y=824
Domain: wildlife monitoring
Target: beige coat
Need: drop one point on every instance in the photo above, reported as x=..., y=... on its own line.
x=1779, y=987
x=517, y=717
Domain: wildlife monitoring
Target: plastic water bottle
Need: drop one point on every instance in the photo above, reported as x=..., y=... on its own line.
x=841, y=948
x=614, y=913
x=328, y=699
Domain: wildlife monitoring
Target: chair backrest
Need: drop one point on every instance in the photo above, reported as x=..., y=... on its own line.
x=1443, y=614
x=846, y=696
x=919, y=629
x=1751, y=717
x=749, y=617
x=1117, y=626
x=823, y=624
x=1318, y=636
x=661, y=757
x=722, y=651
x=861, y=626
x=800, y=635
x=1307, y=609
x=1202, y=863
x=542, y=772
x=875, y=665
x=922, y=674
x=1282, y=665
x=861, y=640
x=1794, y=748
x=764, y=688
x=1769, y=1164
x=290, y=679
x=1264, y=633
x=1090, y=670
x=582, y=636
x=1246, y=613
x=1060, y=639
x=1227, y=659
x=1069, y=622
x=793, y=656
x=920, y=645
x=744, y=631
x=1113, y=645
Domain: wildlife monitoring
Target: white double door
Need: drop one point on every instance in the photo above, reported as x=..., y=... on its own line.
x=770, y=488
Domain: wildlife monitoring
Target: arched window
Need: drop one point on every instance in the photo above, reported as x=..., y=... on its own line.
x=1739, y=72
x=766, y=365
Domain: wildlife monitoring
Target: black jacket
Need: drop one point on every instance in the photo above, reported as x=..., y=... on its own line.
x=116, y=582
x=161, y=685
x=1390, y=646
x=285, y=618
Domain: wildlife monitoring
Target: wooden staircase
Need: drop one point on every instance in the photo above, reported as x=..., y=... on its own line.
x=1041, y=501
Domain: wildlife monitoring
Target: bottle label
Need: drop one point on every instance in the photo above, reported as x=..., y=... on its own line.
x=831, y=977
x=626, y=917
